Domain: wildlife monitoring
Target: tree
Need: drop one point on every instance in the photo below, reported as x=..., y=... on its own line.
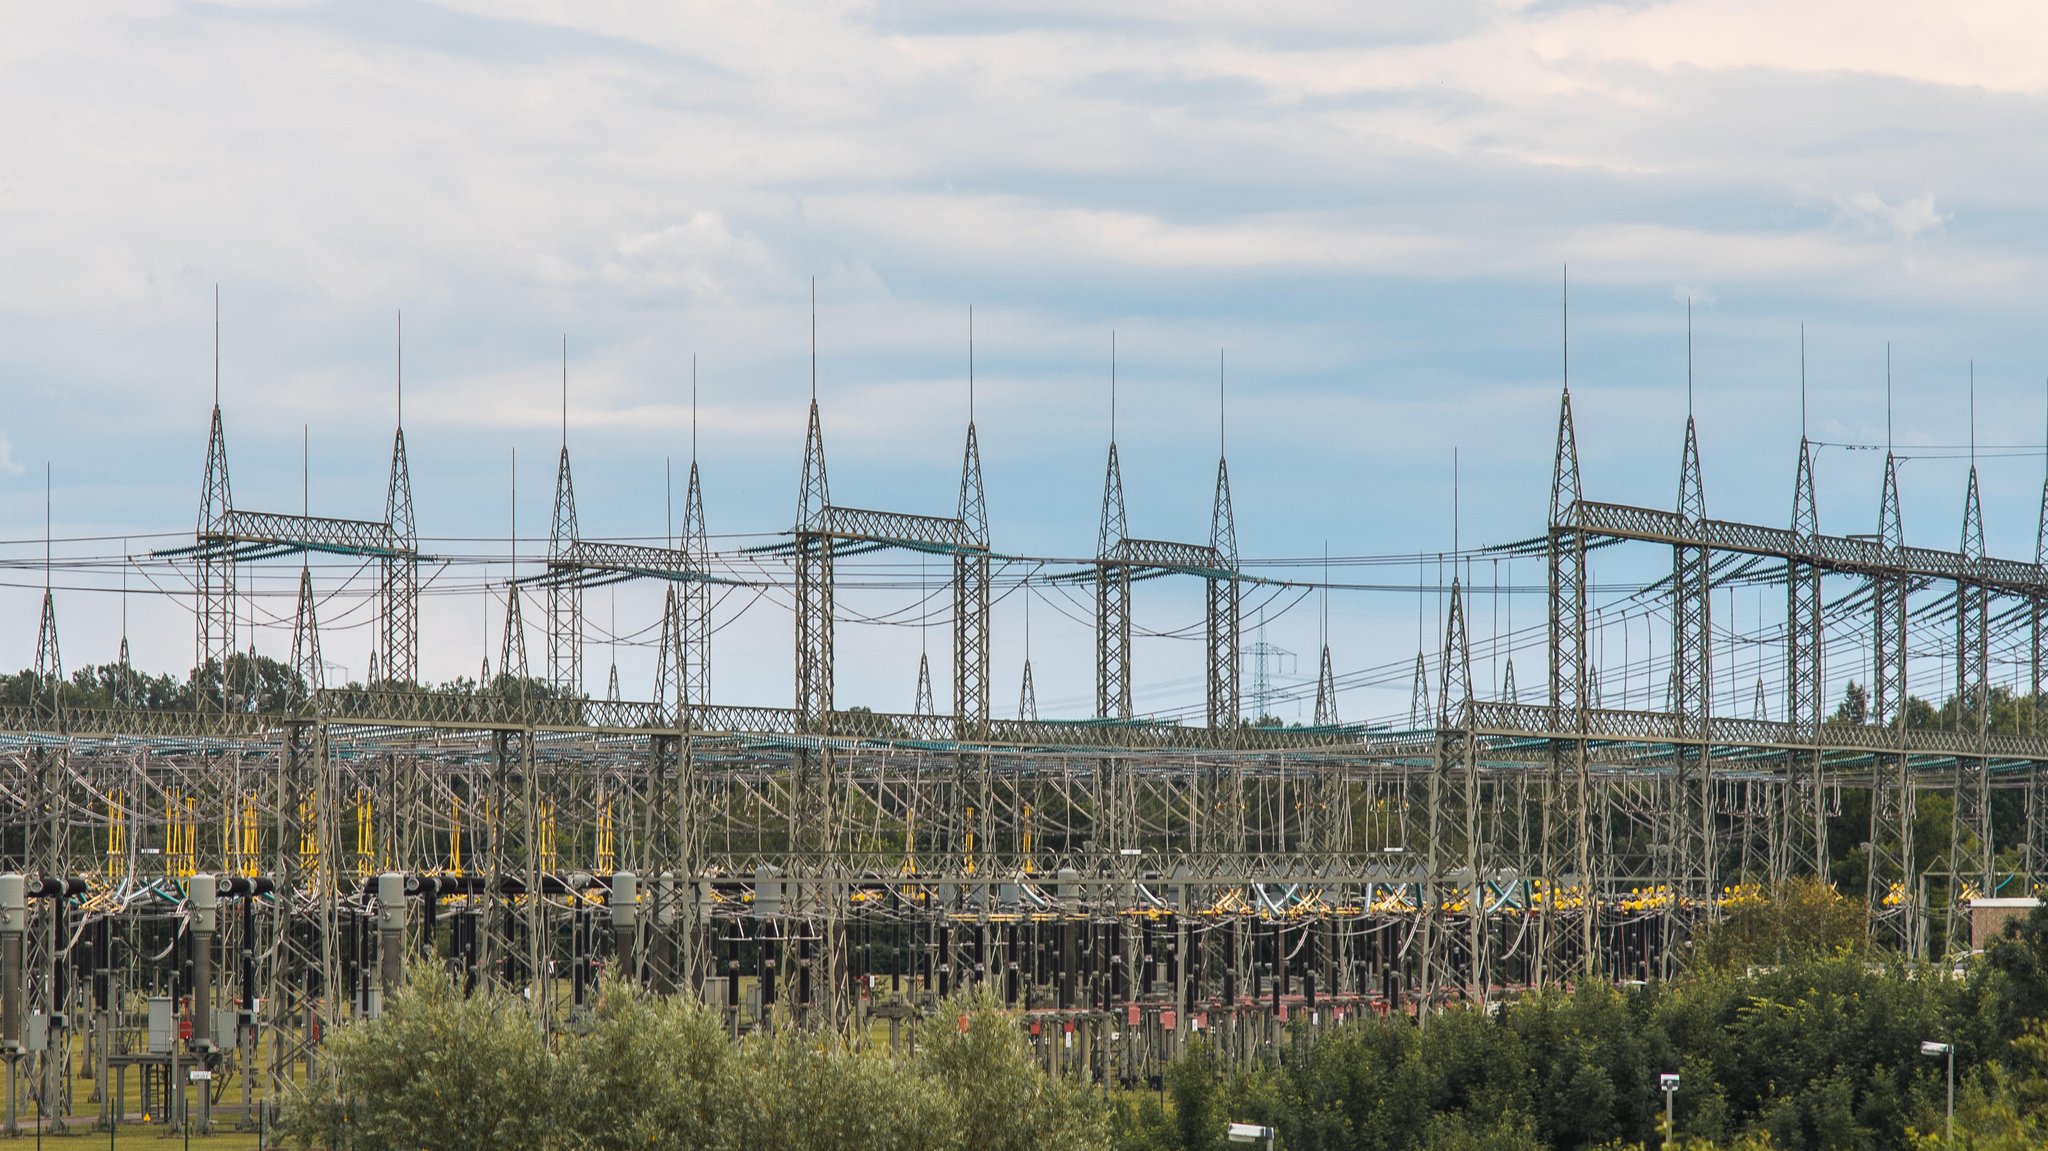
x=652, y=1074
x=1005, y=1102
x=1801, y=919
x=1198, y=1120
x=1855, y=706
x=436, y=1070
x=2019, y=957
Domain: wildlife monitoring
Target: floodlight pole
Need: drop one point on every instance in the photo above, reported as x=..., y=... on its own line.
x=1668, y=1083
x=1951, y=1126
x=1947, y=1050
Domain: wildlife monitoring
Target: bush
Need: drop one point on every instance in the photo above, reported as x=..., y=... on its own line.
x=438, y=1070
x=452, y=1073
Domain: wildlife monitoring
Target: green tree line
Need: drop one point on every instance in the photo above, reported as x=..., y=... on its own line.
x=649, y=1073
x=249, y=681
x=1787, y=1034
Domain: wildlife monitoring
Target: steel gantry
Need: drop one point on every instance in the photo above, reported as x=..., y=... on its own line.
x=1129, y=878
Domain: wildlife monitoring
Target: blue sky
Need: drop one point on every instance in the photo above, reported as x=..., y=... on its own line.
x=1370, y=213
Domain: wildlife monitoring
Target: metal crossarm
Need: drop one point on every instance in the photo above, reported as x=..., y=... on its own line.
x=922, y=533
x=1842, y=554
x=1194, y=559
x=288, y=533
x=634, y=560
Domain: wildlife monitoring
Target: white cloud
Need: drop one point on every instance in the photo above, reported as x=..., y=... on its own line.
x=1368, y=205
x=1908, y=219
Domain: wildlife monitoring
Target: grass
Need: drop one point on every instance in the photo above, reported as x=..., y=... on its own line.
x=137, y=1136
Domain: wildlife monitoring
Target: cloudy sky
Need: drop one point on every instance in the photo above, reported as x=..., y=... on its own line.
x=1368, y=214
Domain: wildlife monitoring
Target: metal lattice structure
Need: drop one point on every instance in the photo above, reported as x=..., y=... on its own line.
x=820, y=866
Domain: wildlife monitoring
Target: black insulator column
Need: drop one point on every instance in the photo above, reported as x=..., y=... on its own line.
x=803, y=968
x=1230, y=965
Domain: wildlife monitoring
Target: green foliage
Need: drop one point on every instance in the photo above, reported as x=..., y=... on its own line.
x=807, y=1093
x=438, y=1070
x=1802, y=919
x=1819, y=1052
x=444, y=1071
x=250, y=682
x=1816, y=1053
x=2019, y=956
x=1005, y=1103
x=650, y=1073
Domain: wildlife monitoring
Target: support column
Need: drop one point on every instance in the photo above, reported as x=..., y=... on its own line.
x=565, y=600
x=1893, y=889
x=215, y=585
x=1803, y=843
x=391, y=933
x=399, y=589
x=13, y=980
x=1112, y=602
x=1225, y=707
x=204, y=896
x=1972, y=869
x=1692, y=870
x=622, y=904
x=971, y=576
x=1565, y=930
x=1454, y=867
x=695, y=613
x=813, y=586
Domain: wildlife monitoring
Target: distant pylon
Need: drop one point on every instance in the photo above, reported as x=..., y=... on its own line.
x=1027, y=697
x=1027, y=694
x=1112, y=583
x=923, y=704
x=1326, y=692
x=670, y=694
x=971, y=575
x=565, y=601
x=216, y=575
x=1326, y=675
x=49, y=673
x=695, y=605
x=1418, y=697
x=49, y=670
x=813, y=582
x=1225, y=594
x=512, y=655
x=306, y=663
x=399, y=590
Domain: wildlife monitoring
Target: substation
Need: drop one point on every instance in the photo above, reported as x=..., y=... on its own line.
x=218, y=888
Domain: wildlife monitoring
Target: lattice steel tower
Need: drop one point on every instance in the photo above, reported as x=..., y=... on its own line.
x=1112, y=583
x=399, y=589
x=695, y=597
x=1224, y=600
x=565, y=597
x=971, y=572
x=1894, y=900
x=1804, y=843
x=1691, y=804
x=216, y=582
